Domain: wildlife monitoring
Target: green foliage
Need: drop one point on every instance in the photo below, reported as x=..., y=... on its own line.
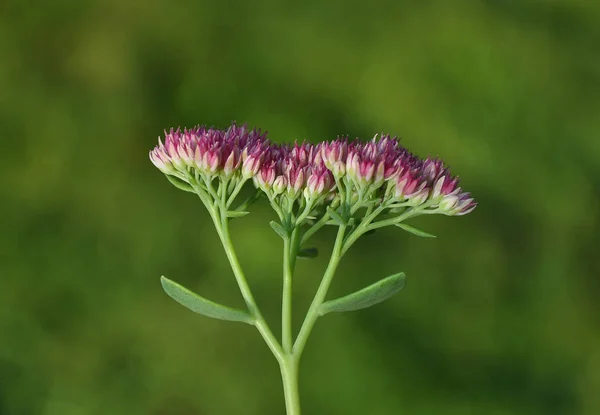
x=180, y=184
x=279, y=229
x=308, y=253
x=201, y=305
x=415, y=231
x=237, y=213
x=367, y=297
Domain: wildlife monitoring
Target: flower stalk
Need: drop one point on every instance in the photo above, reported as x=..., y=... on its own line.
x=354, y=185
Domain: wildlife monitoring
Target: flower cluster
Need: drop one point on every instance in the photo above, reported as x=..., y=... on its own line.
x=210, y=152
x=341, y=171
x=384, y=170
x=295, y=171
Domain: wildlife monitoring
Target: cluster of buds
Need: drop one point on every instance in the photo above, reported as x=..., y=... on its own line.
x=294, y=172
x=236, y=151
x=335, y=171
x=381, y=169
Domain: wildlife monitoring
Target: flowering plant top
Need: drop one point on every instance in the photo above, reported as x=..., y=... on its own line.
x=379, y=172
x=354, y=185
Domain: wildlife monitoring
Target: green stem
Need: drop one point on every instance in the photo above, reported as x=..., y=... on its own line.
x=236, y=191
x=361, y=229
x=222, y=225
x=286, y=300
x=314, y=228
x=392, y=221
x=313, y=311
x=289, y=376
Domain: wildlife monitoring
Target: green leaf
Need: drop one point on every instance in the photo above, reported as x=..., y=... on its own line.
x=415, y=231
x=279, y=229
x=201, y=305
x=250, y=201
x=180, y=184
x=337, y=219
x=236, y=213
x=371, y=295
x=309, y=253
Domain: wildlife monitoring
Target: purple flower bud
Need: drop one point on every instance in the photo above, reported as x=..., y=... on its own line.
x=431, y=169
x=445, y=185
x=405, y=184
x=265, y=177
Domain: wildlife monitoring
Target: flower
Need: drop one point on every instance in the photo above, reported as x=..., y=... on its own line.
x=210, y=152
x=353, y=172
x=294, y=171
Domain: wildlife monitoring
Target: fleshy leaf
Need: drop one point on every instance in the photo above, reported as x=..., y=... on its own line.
x=180, y=184
x=371, y=295
x=308, y=253
x=279, y=229
x=201, y=305
x=415, y=231
x=236, y=213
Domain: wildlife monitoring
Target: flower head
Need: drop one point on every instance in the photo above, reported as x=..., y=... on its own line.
x=353, y=172
x=235, y=151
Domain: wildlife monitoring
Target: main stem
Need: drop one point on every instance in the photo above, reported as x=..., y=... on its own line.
x=289, y=376
x=286, y=300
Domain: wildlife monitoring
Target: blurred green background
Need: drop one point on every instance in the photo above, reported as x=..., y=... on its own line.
x=500, y=315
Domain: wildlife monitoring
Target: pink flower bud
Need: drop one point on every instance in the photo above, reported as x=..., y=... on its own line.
x=230, y=163
x=338, y=169
x=250, y=165
x=265, y=177
x=279, y=185
x=161, y=160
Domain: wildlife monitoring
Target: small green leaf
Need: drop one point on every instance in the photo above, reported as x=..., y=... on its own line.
x=201, y=305
x=231, y=186
x=415, y=231
x=336, y=217
x=249, y=201
x=309, y=253
x=180, y=184
x=371, y=295
x=236, y=213
x=279, y=229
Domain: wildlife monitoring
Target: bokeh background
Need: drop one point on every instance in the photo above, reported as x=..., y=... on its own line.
x=501, y=312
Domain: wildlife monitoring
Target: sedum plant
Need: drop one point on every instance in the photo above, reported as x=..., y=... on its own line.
x=355, y=186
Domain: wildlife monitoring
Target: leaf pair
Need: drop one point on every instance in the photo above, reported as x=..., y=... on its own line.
x=371, y=295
